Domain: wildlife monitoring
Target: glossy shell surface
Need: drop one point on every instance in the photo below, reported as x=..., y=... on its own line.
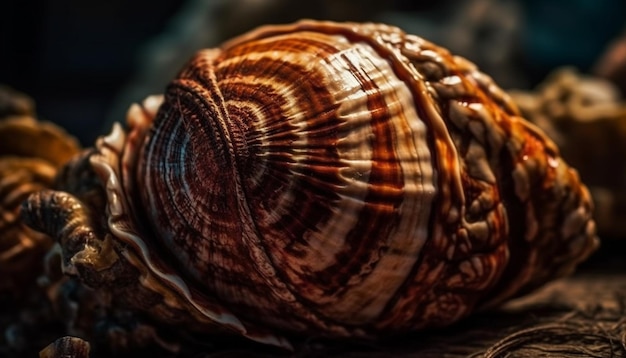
x=338, y=180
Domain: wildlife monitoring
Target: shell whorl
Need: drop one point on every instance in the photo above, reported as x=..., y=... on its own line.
x=346, y=177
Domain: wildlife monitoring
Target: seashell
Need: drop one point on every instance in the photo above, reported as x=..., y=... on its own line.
x=318, y=178
x=31, y=152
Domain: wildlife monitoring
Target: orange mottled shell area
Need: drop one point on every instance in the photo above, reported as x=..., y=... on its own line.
x=348, y=180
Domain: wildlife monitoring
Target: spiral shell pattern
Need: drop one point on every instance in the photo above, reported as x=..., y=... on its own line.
x=340, y=176
x=330, y=179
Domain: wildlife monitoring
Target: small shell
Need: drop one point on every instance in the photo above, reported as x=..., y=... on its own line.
x=31, y=153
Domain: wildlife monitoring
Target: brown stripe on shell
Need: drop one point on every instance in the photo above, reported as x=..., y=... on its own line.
x=286, y=165
x=441, y=239
x=172, y=177
x=288, y=197
x=305, y=173
x=436, y=250
x=461, y=259
x=362, y=248
x=364, y=244
x=222, y=248
x=325, y=176
x=219, y=261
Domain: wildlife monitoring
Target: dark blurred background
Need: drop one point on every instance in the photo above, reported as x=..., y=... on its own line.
x=84, y=62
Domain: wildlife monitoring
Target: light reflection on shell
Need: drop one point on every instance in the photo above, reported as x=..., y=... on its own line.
x=330, y=179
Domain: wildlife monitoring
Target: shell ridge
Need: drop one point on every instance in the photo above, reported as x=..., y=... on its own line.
x=121, y=227
x=265, y=265
x=379, y=90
